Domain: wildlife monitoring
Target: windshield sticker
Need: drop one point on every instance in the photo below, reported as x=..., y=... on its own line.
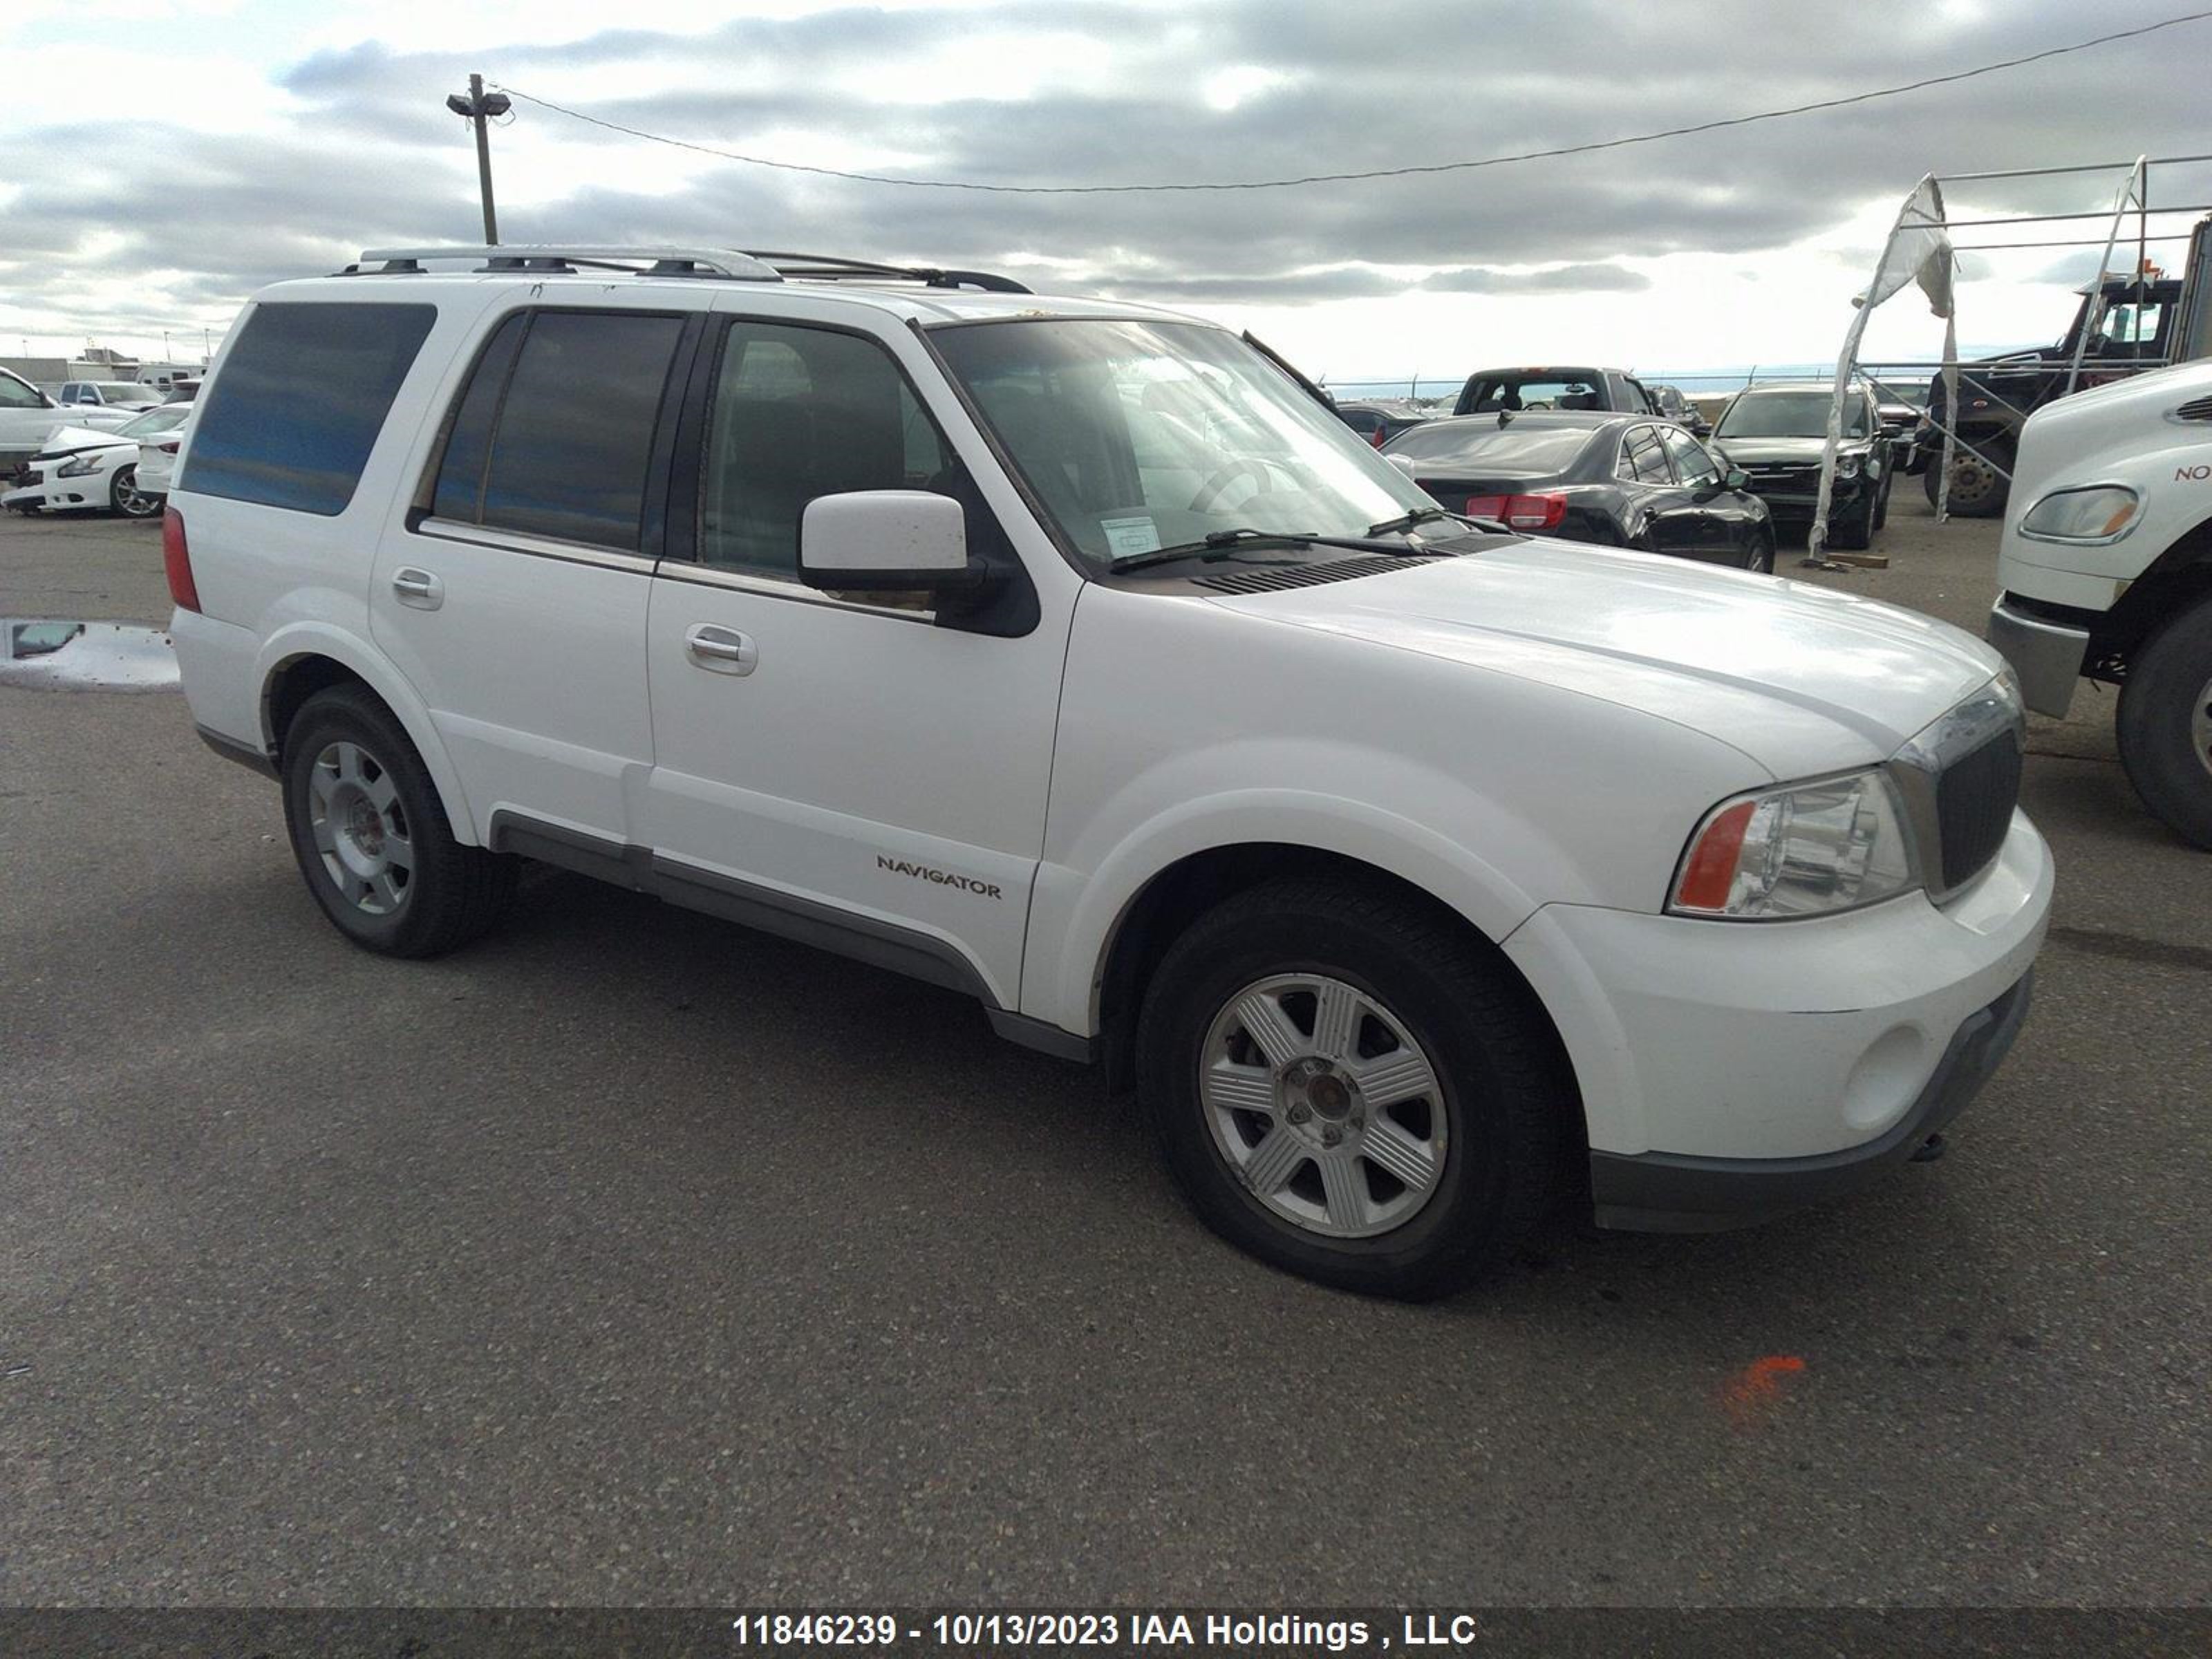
x=1124, y=535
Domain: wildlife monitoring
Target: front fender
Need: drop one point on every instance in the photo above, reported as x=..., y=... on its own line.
x=300, y=639
x=1075, y=915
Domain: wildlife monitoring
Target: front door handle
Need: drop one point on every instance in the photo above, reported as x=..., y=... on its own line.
x=419, y=588
x=722, y=650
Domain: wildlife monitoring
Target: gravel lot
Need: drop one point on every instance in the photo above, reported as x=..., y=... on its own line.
x=629, y=1257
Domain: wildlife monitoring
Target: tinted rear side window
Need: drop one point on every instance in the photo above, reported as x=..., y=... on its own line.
x=468, y=446
x=303, y=394
x=570, y=438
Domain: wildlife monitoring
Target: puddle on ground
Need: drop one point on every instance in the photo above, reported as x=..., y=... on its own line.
x=85, y=656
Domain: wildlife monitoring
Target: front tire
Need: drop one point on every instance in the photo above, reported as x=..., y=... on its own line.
x=2165, y=725
x=1856, y=533
x=1978, y=490
x=1346, y=1085
x=123, y=495
x=372, y=838
x=1762, y=552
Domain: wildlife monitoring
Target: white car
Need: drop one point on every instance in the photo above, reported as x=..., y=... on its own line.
x=82, y=469
x=2105, y=573
x=158, y=446
x=1402, y=864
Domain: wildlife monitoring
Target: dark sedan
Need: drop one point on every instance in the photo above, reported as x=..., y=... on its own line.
x=1616, y=480
x=1378, y=421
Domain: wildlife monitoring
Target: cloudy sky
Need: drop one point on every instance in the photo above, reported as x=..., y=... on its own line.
x=160, y=159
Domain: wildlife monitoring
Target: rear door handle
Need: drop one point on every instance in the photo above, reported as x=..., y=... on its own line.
x=721, y=650
x=419, y=588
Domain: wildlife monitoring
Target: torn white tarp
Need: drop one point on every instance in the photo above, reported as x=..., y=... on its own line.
x=1918, y=250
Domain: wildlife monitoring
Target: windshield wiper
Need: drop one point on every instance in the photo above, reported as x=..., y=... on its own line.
x=1421, y=515
x=1220, y=544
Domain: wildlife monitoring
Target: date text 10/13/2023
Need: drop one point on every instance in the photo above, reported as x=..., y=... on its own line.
x=1116, y=1630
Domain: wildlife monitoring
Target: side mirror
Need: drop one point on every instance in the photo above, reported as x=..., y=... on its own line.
x=897, y=539
x=1738, y=478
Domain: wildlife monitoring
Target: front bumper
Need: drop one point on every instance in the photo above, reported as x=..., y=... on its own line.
x=1793, y=1046
x=1799, y=501
x=42, y=486
x=1662, y=1192
x=2045, y=655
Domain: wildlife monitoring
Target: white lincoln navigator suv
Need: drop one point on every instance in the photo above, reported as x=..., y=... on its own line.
x=1072, y=655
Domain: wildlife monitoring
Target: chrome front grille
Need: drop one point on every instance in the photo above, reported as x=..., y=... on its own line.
x=1960, y=782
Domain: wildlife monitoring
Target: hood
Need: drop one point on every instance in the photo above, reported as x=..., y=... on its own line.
x=69, y=440
x=1768, y=452
x=1802, y=679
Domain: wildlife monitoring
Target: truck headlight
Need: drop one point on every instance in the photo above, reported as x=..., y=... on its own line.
x=82, y=467
x=1803, y=849
x=2102, y=512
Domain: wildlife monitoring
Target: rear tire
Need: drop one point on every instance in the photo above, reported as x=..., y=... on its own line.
x=1425, y=1111
x=2165, y=725
x=372, y=838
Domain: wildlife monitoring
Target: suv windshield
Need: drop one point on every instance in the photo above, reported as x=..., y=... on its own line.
x=1140, y=436
x=1789, y=415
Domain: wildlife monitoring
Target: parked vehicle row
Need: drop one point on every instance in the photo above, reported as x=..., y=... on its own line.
x=1078, y=658
x=80, y=469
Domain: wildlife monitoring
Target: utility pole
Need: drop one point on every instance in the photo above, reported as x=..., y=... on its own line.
x=479, y=107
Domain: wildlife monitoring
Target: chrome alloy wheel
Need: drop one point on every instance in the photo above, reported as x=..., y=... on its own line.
x=360, y=828
x=2200, y=727
x=1324, y=1105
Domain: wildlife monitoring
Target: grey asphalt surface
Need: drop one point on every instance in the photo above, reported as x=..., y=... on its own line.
x=630, y=1257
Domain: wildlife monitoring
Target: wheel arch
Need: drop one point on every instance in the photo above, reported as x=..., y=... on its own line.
x=298, y=662
x=2178, y=580
x=1181, y=892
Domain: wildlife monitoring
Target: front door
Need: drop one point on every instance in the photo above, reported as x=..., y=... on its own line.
x=1671, y=518
x=1719, y=534
x=844, y=758
x=516, y=605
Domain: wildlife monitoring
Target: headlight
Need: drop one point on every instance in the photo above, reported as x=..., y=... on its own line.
x=1847, y=466
x=83, y=466
x=1802, y=850
x=2103, y=512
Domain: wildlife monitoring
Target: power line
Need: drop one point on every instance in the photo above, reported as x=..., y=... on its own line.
x=1378, y=173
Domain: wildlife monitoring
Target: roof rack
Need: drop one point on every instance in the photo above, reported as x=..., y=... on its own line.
x=555, y=258
x=742, y=265
x=831, y=268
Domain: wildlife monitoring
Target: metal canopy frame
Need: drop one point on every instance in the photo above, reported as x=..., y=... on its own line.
x=2132, y=197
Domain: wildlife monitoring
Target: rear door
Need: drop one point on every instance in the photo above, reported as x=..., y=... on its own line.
x=514, y=596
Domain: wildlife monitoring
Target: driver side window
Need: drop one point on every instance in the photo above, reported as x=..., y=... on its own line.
x=14, y=394
x=800, y=412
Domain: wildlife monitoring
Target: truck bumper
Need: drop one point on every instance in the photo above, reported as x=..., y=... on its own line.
x=1662, y=1192
x=2045, y=655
